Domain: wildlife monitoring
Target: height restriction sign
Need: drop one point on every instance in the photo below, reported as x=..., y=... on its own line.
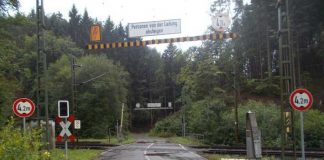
x=301, y=99
x=220, y=22
x=23, y=107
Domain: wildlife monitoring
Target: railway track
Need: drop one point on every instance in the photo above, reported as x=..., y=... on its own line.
x=315, y=153
x=85, y=145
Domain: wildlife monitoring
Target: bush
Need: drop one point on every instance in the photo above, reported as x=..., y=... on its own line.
x=204, y=117
x=268, y=119
x=263, y=87
x=313, y=128
x=15, y=145
x=217, y=123
x=168, y=127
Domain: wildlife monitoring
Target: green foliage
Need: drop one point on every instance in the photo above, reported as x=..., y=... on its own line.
x=263, y=87
x=218, y=127
x=201, y=79
x=313, y=128
x=173, y=61
x=168, y=127
x=15, y=145
x=211, y=119
x=238, y=157
x=268, y=119
x=203, y=116
x=99, y=100
x=74, y=154
x=8, y=90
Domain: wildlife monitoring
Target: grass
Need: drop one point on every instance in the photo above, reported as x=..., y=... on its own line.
x=222, y=157
x=185, y=141
x=75, y=154
x=236, y=157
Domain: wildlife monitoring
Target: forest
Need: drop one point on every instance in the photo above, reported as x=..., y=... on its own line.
x=203, y=83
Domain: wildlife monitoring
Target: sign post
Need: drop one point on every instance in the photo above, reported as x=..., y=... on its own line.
x=302, y=143
x=23, y=107
x=301, y=100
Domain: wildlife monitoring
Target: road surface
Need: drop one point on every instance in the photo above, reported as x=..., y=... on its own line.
x=150, y=149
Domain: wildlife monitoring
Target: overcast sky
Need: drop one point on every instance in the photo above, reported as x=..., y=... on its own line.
x=194, y=14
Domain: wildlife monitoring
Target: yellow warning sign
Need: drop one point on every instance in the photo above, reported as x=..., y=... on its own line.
x=95, y=33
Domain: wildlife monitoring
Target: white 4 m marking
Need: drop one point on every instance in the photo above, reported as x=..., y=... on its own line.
x=301, y=100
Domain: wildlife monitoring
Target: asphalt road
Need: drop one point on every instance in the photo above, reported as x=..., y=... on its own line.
x=150, y=149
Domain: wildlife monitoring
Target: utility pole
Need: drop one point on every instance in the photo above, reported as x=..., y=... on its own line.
x=73, y=87
x=235, y=86
x=183, y=119
x=42, y=90
x=237, y=135
x=73, y=66
x=73, y=84
x=287, y=77
x=269, y=55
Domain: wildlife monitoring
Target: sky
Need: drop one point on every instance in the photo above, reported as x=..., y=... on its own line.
x=195, y=15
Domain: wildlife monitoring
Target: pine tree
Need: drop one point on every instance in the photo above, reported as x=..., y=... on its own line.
x=74, y=28
x=85, y=24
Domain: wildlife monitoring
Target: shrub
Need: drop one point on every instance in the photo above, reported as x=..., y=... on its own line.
x=313, y=128
x=15, y=145
x=263, y=87
x=268, y=119
x=168, y=127
x=217, y=123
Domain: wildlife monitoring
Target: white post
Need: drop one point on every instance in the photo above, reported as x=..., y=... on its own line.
x=66, y=144
x=117, y=130
x=121, y=118
x=121, y=121
x=24, y=125
x=302, y=135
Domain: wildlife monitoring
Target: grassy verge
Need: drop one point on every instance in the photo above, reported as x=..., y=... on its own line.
x=225, y=157
x=75, y=154
x=185, y=141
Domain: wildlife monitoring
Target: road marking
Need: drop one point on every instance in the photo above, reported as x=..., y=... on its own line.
x=105, y=152
x=146, y=157
x=195, y=154
x=183, y=147
x=231, y=159
x=111, y=149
